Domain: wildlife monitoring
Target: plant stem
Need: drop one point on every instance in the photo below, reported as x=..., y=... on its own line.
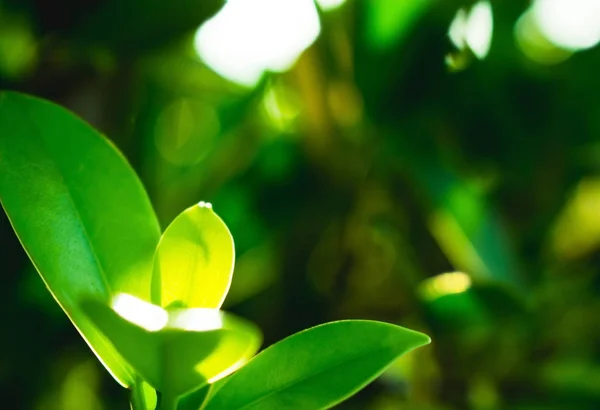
x=143, y=397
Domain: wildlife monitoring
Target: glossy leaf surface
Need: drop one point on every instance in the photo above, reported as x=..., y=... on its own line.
x=180, y=350
x=194, y=260
x=316, y=368
x=79, y=210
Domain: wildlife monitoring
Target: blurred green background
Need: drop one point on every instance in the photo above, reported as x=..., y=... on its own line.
x=388, y=170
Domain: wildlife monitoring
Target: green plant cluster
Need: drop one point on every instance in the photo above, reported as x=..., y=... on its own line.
x=152, y=317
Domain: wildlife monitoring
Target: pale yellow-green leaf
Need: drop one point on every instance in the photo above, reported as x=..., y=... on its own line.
x=194, y=261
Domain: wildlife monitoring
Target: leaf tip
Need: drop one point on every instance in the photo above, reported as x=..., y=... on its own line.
x=415, y=338
x=425, y=339
x=421, y=339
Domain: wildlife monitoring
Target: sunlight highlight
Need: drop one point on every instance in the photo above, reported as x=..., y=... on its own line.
x=228, y=371
x=569, y=24
x=139, y=312
x=196, y=319
x=480, y=26
x=249, y=37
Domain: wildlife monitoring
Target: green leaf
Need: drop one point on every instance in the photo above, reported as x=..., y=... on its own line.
x=316, y=368
x=194, y=261
x=179, y=350
x=79, y=210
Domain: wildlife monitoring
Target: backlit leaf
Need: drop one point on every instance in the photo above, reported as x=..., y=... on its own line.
x=194, y=261
x=179, y=350
x=79, y=210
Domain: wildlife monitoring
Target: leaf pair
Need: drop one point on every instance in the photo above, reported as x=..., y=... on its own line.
x=87, y=224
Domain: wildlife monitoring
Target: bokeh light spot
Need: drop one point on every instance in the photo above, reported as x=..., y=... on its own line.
x=18, y=47
x=569, y=24
x=456, y=31
x=249, y=37
x=577, y=230
x=473, y=29
x=445, y=284
x=534, y=44
x=480, y=26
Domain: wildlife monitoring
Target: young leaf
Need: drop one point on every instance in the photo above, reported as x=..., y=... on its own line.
x=175, y=351
x=79, y=210
x=194, y=260
x=316, y=368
